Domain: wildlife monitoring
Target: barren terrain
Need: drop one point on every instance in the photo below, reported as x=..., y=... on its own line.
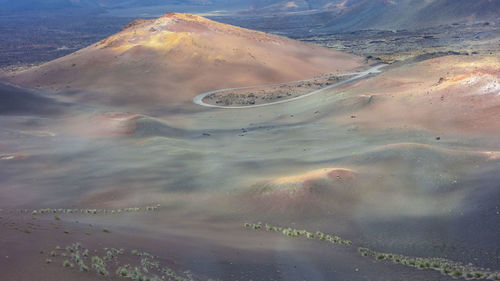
x=271, y=93
x=175, y=57
x=110, y=171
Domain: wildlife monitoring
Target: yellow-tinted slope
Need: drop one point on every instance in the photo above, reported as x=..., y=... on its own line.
x=177, y=56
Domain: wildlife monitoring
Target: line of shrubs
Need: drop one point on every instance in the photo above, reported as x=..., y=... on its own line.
x=90, y=211
x=445, y=266
x=292, y=232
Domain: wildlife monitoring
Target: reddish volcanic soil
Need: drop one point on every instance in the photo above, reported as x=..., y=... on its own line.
x=177, y=56
x=303, y=192
x=448, y=94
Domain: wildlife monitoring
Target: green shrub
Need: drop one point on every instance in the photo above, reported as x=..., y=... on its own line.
x=67, y=263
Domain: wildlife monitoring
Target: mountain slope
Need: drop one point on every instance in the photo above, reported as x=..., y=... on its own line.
x=177, y=56
x=46, y=5
x=408, y=14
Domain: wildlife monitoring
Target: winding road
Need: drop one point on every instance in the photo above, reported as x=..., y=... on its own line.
x=356, y=75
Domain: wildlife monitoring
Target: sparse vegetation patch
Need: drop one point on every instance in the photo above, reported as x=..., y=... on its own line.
x=445, y=266
x=292, y=232
x=89, y=211
x=270, y=93
x=105, y=262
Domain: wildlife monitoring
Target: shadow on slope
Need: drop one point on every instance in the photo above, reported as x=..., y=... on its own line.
x=17, y=101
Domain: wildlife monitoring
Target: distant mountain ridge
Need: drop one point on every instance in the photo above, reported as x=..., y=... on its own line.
x=44, y=5
x=37, y=5
x=344, y=15
x=408, y=14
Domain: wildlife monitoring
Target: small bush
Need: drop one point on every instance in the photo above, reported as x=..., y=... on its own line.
x=457, y=273
x=67, y=263
x=122, y=272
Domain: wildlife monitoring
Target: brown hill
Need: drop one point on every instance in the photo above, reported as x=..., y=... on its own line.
x=177, y=56
x=452, y=94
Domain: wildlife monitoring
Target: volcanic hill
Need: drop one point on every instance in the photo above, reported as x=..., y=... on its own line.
x=177, y=56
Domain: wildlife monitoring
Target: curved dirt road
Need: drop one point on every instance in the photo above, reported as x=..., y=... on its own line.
x=357, y=75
